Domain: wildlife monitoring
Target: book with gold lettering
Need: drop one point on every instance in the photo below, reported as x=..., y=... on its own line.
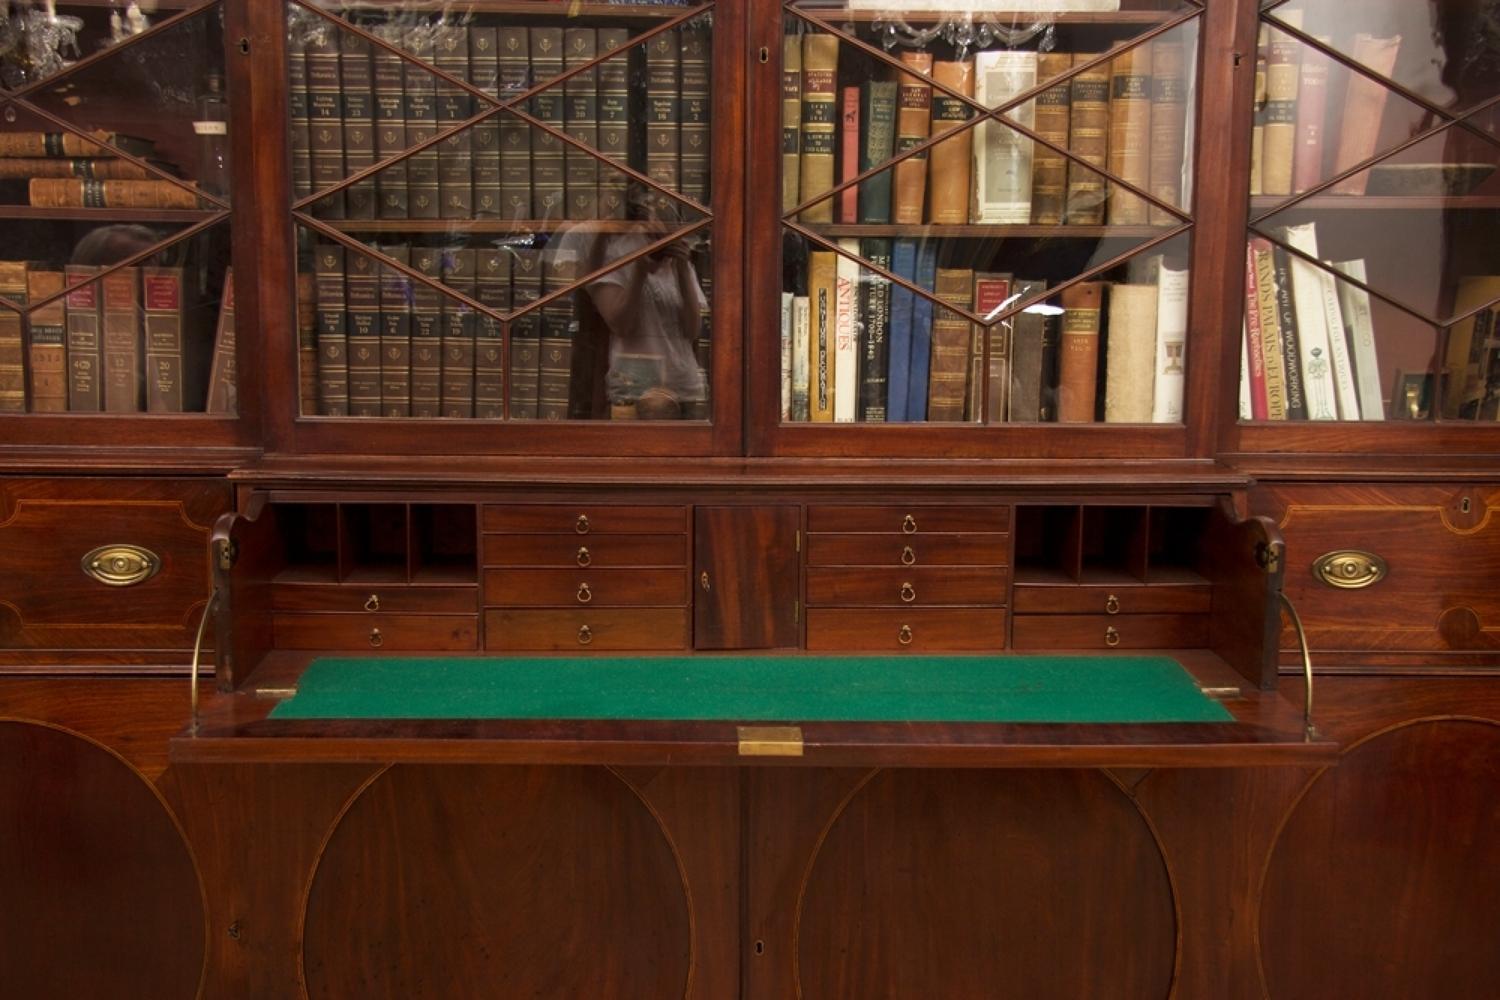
x=49, y=365
x=951, y=159
x=913, y=125
x=820, y=58
x=12, y=359
x=1169, y=110
x=1078, y=352
x=948, y=370
x=1130, y=133
x=1089, y=142
x=1049, y=170
x=85, y=360
x=791, y=121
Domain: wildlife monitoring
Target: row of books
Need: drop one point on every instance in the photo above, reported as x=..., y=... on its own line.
x=859, y=347
x=1294, y=112
x=354, y=104
x=1127, y=116
x=72, y=170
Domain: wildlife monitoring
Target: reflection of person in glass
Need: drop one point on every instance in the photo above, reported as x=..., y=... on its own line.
x=652, y=308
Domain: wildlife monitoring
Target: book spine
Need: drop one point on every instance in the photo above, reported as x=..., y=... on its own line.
x=1026, y=333
x=1168, y=125
x=421, y=124
x=390, y=128
x=874, y=341
x=791, y=121
x=325, y=116
x=948, y=371
x=515, y=134
x=484, y=73
x=548, y=173
x=1255, y=355
x=121, y=333
x=300, y=137
x=1338, y=348
x=1272, y=338
x=161, y=297
x=458, y=336
x=695, y=112
x=426, y=335
x=801, y=351
x=1047, y=408
x=12, y=338
x=951, y=160
x=1312, y=112
x=1364, y=108
x=1049, y=170
x=849, y=149
x=49, y=363
x=559, y=322
x=663, y=111
x=79, y=192
x=333, y=332
x=990, y=294
x=1245, y=409
x=786, y=356
x=581, y=117
x=1089, y=141
x=1283, y=73
x=1078, y=353
x=362, y=323
x=898, y=377
x=455, y=153
x=357, y=85
x=614, y=121
x=846, y=336
x=492, y=289
x=1171, y=345
x=88, y=169
x=820, y=60
x=1359, y=318
x=525, y=335
x=879, y=128
x=1130, y=360
x=913, y=122
x=85, y=360
x=1313, y=342
x=307, y=342
x=223, y=384
x=1130, y=133
x=1288, y=327
x=921, y=332
x=1258, y=130
x=1003, y=161
x=822, y=290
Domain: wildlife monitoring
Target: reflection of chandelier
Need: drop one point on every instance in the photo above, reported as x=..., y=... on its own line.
x=965, y=31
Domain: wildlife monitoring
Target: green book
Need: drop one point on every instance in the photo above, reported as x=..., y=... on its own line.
x=877, y=107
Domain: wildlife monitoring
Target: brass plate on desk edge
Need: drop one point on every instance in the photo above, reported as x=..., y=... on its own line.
x=770, y=741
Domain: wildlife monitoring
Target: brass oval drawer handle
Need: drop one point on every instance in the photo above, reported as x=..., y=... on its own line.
x=376, y=639
x=584, y=558
x=1112, y=605
x=582, y=524
x=908, y=556
x=1111, y=637
x=908, y=593
x=584, y=593
x=905, y=635
x=121, y=565
x=585, y=635
x=1350, y=569
x=909, y=525
x=372, y=603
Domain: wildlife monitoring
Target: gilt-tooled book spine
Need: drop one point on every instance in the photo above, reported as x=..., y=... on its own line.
x=360, y=200
x=426, y=335
x=1049, y=170
x=559, y=323
x=913, y=122
x=1131, y=356
x=325, y=119
x=333, y=332
x=12, y=351
x=85, y=359
x=307, y=343
x=88, y=169
x=1078, y=353
x=990, y=294
x=79, y=192
x=223, y=383
x=878, y=113
x=693, y=155
x=1028, y=333
x=1312, y=114
x=49, y=364
x=548, y=179
x=1168, y=125
x=458, y=335
x=525, y=335
x=1130, y=133
x=1283, y=73
x=300, y=138
x=822, y=290
x=395, y=335
x=1268, y=313
x=72, y=144
x=492, y=289
x=791, y=121
x=121, y=333
x=362, y=299
x=663, y=110
x=875, y=312
x=390, y=127
x=898, y=367
x=951, y=160
x=421, y=124
x=614, y=120
x=921, y=332
x=820, y=61
x=1089, y=141
x=581, y=115
x=455, y=153
x=948, y=369
x=161, y=299
x=484, y=73
x=515, y=134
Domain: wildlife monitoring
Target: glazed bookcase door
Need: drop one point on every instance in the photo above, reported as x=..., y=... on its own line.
x=507, y=227
x=116, y=303
x=1372, y=277
x=985, y=238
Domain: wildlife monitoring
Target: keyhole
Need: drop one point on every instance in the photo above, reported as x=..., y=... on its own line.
x=760, y=947
x=1465, y=505
x=245, y=46
x=765, y=54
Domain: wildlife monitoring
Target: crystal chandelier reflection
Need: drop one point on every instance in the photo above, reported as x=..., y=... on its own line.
x=965, y=31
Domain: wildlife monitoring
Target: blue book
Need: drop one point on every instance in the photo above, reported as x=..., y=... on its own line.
x=921, y=333
x=898, y=370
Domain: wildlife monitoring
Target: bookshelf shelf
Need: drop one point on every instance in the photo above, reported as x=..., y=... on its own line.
x=186, y=216
x=987, y=232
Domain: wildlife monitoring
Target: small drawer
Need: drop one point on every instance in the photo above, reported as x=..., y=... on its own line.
x=601, y=551
x=573, y=631
x=925, y=549
x=1110, y=631
x=917, y=630
x=908, y=520
x=902, y=587
x=584, y=519
x=369, y=632
x=600, y=588
x=375, y=600
x=1133, y=600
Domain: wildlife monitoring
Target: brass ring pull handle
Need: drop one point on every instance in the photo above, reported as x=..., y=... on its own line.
x=372, y=603
x=585, y=635
x=905, y=635
x=908, y=593
x=909, y=525
x=584, y=558
x=121, y=565
x=1111, y=605
x=1350, y=569
x=1111, y=637
x=908, y=556
x=584, y=593
x=582, y=524
x=376, y=639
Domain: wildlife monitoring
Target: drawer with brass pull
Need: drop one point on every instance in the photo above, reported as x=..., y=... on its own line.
x=546, y=588
x=912, y=630
x=406, y=633
x=916, y=586
x=592, y=629
x=373, y=600
x=593, y=551
x=1106, y=631
x=927, y=549
x=1126, y=599
x=583, y=519
x=907, y=520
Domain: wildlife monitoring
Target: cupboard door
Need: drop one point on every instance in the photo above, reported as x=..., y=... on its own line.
x=745, y=578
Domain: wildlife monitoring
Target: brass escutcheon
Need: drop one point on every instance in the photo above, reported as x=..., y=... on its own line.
x=905, y=635
x=908, y=556
x=1111, y=636
x=909, y=525
x=584, y=593
x=1112, y=605
x=585, y=635
x=376, y=639
x=582, y=524
x=583, y=556
x=1350, y=569
x=908, y=593
x=372, y=603
x=121, y=565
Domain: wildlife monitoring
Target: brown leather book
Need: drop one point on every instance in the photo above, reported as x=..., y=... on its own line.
x=357, y=91
x=913, y=124
x=948, y=371
x=1078, y=362
x=455, y=153
x=614, y=121
x=121, y=333
x=693, y=157
x=161, y=300
x=426, y=335
x=79, y=192
x=49, y=365
x=390, y=126
x=515, y=133
x=333, y=331
x=1089, y=141
x=71, y=144
x=559, y=323
x=791, y=121
x=581, y=116
x=1258, y=130
x=548, y=172
x=1312, y=113
x=990, y=293
x=492, y=289
x=85, y=360
x=325, y=119
x=362, y=293
x=525, y=334
x=1168, y=125
x=12, y=359
x=395, y=335
x=820, y=62
x=222, y=383
x=458, y=335
x=88, y=169
x=1049, y=170
x=484, y=73
x=663, y=109
x=307, y=344
x=1130, y=133
x=951, y=160
x=1364, y=107
x=1283, y=76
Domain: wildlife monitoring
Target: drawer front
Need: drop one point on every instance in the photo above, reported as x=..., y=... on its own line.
x=920, y=630
x=908, y=520
x=1110, y=631
x=365, y=632
x=602, y=588
x=903, y=587
x=1168, y=599
x=586, y=631
x=584, y=519
x=599, y=551
x=922, y=549
x=375, y=600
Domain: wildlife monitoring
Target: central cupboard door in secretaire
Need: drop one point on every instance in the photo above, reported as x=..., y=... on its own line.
x=985, y=222
x=511, y=223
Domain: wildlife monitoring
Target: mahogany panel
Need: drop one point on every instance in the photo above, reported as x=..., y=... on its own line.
x=597, y=550
x=951, y=518
x=538, y=882
x=915, y=630
x=907, y=587
x=334, y=597
x=376, y=631
x=1125, y=600
x=1101, y=632
x=584, y=519
x=925, y=550
x=596, y=629
x=134, y=717
x=745, y=567
x=603, y=588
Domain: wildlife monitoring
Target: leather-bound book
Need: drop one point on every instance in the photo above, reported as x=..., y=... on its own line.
x=121, y=333
x=913, y=125
x=1078, y=353
x=458, y=335
x=525, y=334
x=515, y=134
x=362, y=295
x=875, y=315
x=1364, y=109
x=991, y=292
x=390, y=126
x=548, y=171
x=1283, y=79
x=820, y=63
x=78, y=192
x=1003, y=156
x=1258, y=129
x=849, y=149
x=791, y=121
x=223, y=384
x=663, y=110
x=484, y=73
x=492, y=289
x=822, y=290
x=921, y=331
x=85, y=358
x=948, y=369
x=161, y=314
x=1267, y=312
x=696, y=112
x=49, y=363
x=12, y=351
x=94, y=169
x=559, y=322
x=356, y=77
x=1131, y=357
x=421, y=124
x=614, y=120
x=1169, y=112
x=1312, y=114
x=426, y=335
x=951, y=160
x=1049, y=170
x=455, y=153
x=1027, y=334
x=299, y=134
x=325, y=119
x=307, y=343
x=1089, y=141
x=878, y=125
x=898, y=382
x=1130, y=133
x=581, y=115
x=395, y=335
x=74, y=144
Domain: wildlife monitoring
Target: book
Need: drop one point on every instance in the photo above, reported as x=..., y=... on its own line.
x=1314, y=348
x=1359, y=328
x=390, y=124
x=426, y=334
x=422, y=183
x=395, y=289
x=1027, y=333
x=1288, y=327
x=1279, y=136
x=913, y=122
x=1169, y=110
x=822, y=347
x=614, y=120
x=548, y=170
x=786, y=355
x=559, y=327
x=94, y=169
x=492, y=289
x=1130, y=362
x=898, y=369
x=12, y=338
x=74, y=144
x=581, y=116
x=1267, y=309
x=1003, y=156
x=820, y=60
x=484, y=73
x=1245, y=410
x=875, y=315
x=846, y=334
x=1312, y=112
x=161, y=317
x=85, y=357
x=362, y=326
x=356, y=86
x=457, y=388
x=991, y=296
x=120, y=331
x=801, y=355
x=1340, y=356
x=80, y=192
x=849, y=152
x=515, y=133
x=791, y=121
x=1049, y=169
x=307, y=342
x=951, y=160
x=1171, y=344
x=1465, y=347
x=664, y=111
x=695, y=111
x=49, y=363
x=1078, y=352
x=1364, y=108
x=948, y=365
x=1258, y=129
x=456, y=152
x=1257, y=404
x=325, y=119
x=878, y=128
x=1047, y=409
x=921, y=331
x=299, y=132
x=1130, y=133
x=1088, y=139
x=223, y=383
x=525, y=334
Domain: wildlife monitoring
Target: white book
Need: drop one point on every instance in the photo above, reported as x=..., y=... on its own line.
x=1245, y=411
x=846, y=335
x=1003, y=156
x=786, y=355
x=1171, y=345
x=801, y=334
x=1338, y=347
x=1359, y=327
x=1312, y=325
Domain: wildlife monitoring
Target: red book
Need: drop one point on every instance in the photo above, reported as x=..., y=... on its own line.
x=1312, y=113
x=1254, y=346
x=849, y=150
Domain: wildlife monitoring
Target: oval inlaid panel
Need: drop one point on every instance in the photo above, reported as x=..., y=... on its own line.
x=991, y=884
x=457, y=882
x=1385, y=881
x=98, y=893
